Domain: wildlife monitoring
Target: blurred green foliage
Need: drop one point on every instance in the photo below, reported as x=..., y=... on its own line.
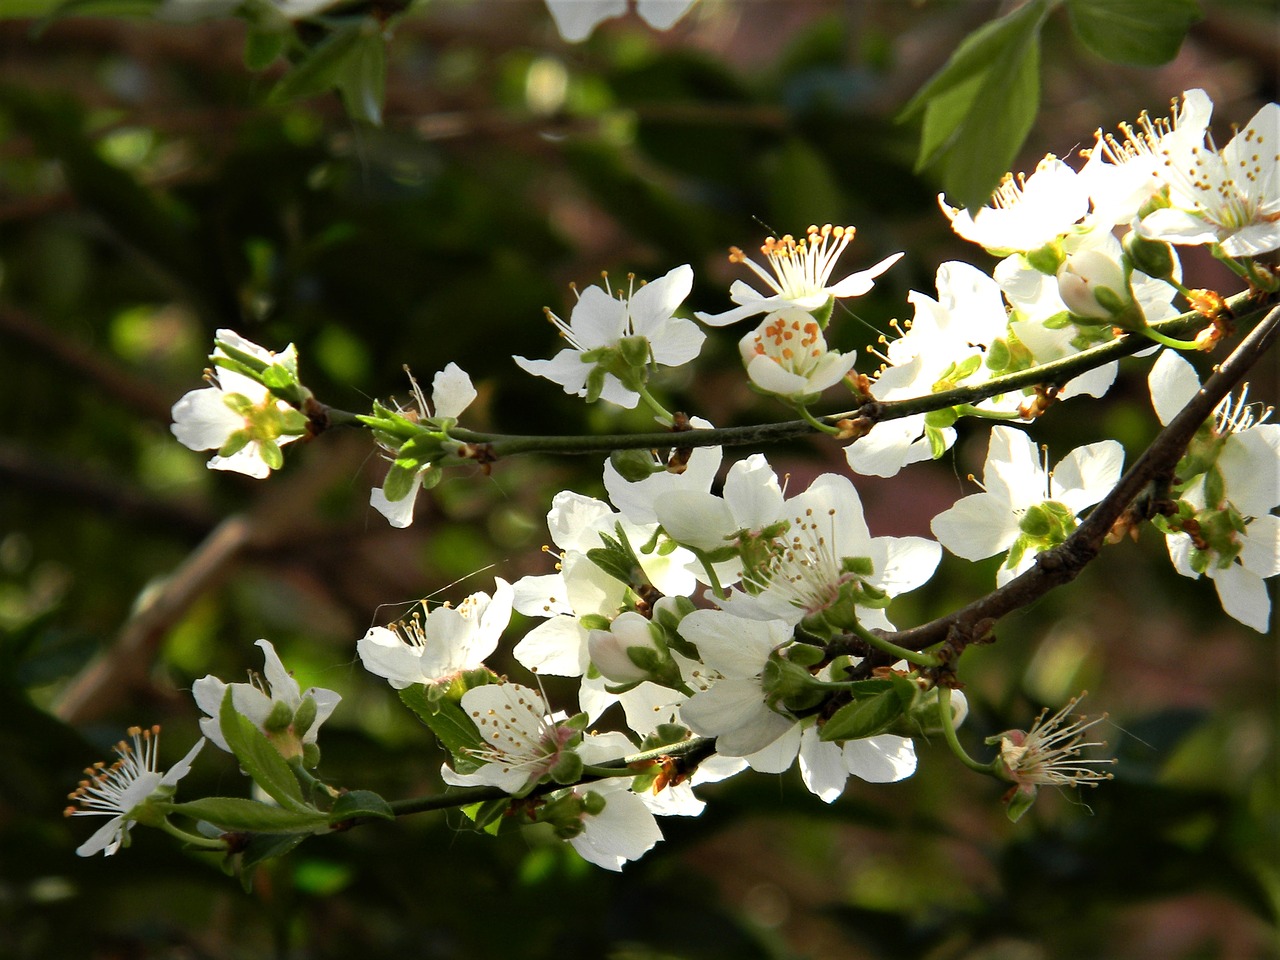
x=150, y=194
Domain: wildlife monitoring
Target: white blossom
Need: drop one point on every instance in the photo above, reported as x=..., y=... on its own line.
x=258, y=699
x=798, y=275
x=122, y=790
x=451, y=393
x=600, y=321
x=239, y=411
x=1023, y=505
x=1025, y=213
x=441, y=645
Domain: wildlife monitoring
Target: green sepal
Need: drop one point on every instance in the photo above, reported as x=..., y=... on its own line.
x=634, y=465
x=1019, y=801
x=278, y=377
x=279, y=718
x=360, y=803
x=634, y=350
x=259, y=759
x=235, y=813
x=1058, y=321
x=805, y=654
x=304, y=716
x=998, y=355
x=399, y=480
x=617, y=559
x=823, y=313
x=235, y=443
x=568, y=768
x=1046, y=259
x=270, y=453
x=941, y=419
x=863, y=718
x=937, y=442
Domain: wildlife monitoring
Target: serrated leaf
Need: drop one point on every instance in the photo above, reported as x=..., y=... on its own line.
x=360, y=803
x=1144, y=33
x=447, y=720
x=235, y=813
x=863, y=718
x=258, y=758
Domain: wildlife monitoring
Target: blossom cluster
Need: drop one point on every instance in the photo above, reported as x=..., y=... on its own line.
x=718, y=621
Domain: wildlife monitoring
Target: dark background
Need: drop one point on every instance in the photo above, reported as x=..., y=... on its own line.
x=147, y=197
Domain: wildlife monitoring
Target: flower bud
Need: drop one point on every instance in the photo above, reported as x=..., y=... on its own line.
x=1094, y=287
x=629, y=651
x=634, y=465
x=1155, y=258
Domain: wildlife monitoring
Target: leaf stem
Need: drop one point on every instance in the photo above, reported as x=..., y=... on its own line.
x=947, y=722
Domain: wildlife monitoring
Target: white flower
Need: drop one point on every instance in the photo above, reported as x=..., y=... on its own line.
x=601, y=322
x=626, y=828
x=583, y=588
x=575, y=19
x=238, y=414
x=1247, y=459
x=800, y=271
x=122, y=790
x=1229, y=197
x=752, y=500
x=1123, y=173
x=259, y=701
x=1023, y=506
x=523, y=742
x=733, y=709
x=451, y=393
x=943, y=347
x=1049, y=753
x=446, y=642
x=1025, y=214
x=787, y=355
x=636, y=499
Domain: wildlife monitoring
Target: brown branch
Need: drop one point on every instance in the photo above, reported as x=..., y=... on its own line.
x=1063, y=563
x=130, y=390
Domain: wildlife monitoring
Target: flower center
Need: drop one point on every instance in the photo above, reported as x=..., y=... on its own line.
x=801, y=268
x=794, y=342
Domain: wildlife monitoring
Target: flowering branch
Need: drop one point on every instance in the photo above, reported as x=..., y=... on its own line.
x=872, y=411
x=1063, y=563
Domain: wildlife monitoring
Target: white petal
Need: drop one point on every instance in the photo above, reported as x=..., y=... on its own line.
x=662, y=14
x=1260, y=547
x=558, y=647
x=883, y=759
x=976, y=527
x=903, y=563
x=399, y=513
x=778, y=756
x=1173, y=382
x=624, y=830
x=1087, y=474
x=451, y=391
x=734, y=646
x=653, y=304
x=575, y=19
x=822, y=766
x=1244, y=596
x=856, y=284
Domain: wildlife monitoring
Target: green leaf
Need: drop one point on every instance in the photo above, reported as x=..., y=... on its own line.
x=1144, y=33
x=447, y=720
x=979, y=108
x=362, y=80
x=863, y=718
x=360, y=803
x=321, y=68
x=265, y=846
x=263, y=46
x=234, y=813
x=259, y=758
x=489, y=815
